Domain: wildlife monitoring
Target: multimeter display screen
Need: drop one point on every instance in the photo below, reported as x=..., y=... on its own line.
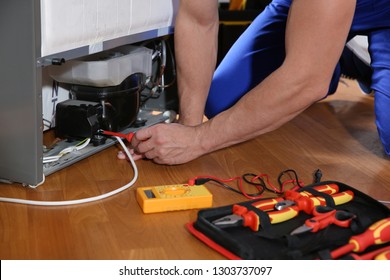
x=149, y=194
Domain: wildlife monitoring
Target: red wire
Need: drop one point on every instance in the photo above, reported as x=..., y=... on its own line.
x=191, y=182
x=247, y=195
x=297, y=185
x=276, y=190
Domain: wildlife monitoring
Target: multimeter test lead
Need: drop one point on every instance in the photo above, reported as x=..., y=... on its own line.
x=127, y=136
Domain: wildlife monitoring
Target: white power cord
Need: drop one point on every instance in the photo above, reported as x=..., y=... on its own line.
x=68, y=150
x=83, y=200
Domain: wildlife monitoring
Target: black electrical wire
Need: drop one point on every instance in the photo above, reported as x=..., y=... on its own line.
x=201, y=181
x=286, y=172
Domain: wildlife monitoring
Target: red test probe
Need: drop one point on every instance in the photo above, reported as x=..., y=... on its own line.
x=128, y=136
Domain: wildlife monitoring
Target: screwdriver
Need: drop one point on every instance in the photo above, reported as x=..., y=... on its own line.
x=383, y=256
x=128, y=136
x=379, y=254
x=378, y=233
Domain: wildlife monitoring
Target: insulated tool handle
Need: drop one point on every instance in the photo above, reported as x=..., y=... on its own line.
x=283, y=215
x=378, y=233
x=374, y=255
x=343, y=197
x=383, y=256
x=251, y=219
x=267, y=204
x=328, y=189
x=307, y=205
x=338, y=198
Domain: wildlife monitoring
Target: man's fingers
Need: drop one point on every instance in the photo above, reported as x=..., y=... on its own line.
x=143, y=134
x=135, y=156
x=144, y=147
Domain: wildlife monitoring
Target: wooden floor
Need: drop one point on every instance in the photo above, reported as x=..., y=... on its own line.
x=337, y=136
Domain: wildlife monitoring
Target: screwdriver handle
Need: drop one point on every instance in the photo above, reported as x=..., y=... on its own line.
x=377, y=233
x=383, y=256
x=373, y=254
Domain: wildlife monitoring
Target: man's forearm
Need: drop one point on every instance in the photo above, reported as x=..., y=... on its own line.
x=263, y=109
x=315, y=37
x=196, y=51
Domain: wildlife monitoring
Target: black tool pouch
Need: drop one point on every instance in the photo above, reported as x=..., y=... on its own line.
x=274, y=241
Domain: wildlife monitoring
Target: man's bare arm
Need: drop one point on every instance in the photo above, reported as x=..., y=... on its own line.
x=196, y=51
x=315, y=36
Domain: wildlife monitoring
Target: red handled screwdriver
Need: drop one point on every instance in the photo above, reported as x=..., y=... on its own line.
x=383, y=256
x=379, y=254
x=378, y=233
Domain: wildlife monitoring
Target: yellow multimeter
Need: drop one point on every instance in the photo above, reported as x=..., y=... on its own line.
x=173, y=197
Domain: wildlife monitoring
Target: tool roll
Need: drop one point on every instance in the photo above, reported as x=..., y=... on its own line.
x=311, y=223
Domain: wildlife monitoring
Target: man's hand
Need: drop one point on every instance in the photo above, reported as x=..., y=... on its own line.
x=168, y=143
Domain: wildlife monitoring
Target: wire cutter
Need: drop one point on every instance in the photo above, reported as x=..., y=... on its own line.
x=323, y=217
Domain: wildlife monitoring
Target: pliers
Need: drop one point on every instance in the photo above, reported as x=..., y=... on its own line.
x=242, y=216
x=285, y=209
x=307, y=204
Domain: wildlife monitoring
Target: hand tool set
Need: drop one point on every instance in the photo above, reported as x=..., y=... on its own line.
x=324, y=220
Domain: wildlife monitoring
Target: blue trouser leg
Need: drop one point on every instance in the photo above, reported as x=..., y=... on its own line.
x=379, y=47
x=261, y=50
x=257, y=53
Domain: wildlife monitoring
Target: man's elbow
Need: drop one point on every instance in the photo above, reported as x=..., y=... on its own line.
x=199, y=13
x=314, y=86
x=319, y=88
x=315, y=82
